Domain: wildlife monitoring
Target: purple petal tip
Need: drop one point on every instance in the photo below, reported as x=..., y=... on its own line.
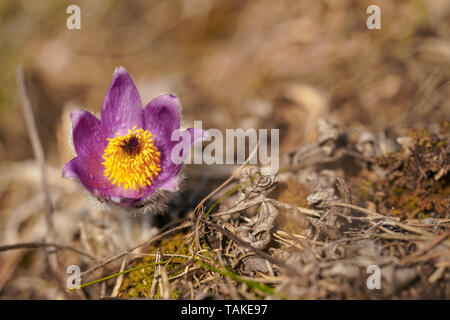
x=68, y=170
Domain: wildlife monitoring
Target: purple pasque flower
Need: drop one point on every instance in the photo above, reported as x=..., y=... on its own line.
x=124, y=158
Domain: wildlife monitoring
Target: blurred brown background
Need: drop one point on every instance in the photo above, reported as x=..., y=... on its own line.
x=270, y=64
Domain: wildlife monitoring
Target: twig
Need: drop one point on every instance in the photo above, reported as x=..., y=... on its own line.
x=37, y=245
x=360, y=209
x=164, y=284
x=429, y=246
x=183, y=266
x=306, y=211
x=119, y=281
x=411, y=229
x=389, y=221
x=259, y=252
x=400, y=236
x=40, y=158
x=36, y=144
x=433, y=255
x=156, y=273
x=244, y=206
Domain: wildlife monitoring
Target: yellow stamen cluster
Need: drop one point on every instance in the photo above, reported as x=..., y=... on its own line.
x=132, y=160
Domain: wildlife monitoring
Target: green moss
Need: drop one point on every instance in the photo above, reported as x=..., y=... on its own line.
x=137, y=284
x=410, y=186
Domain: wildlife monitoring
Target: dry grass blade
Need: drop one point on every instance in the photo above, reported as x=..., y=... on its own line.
x=36, y=144
x=37, y=245
x=156, y=280
x=432, y=244
x=40, y=158
x=119, y=281
x=289, y=270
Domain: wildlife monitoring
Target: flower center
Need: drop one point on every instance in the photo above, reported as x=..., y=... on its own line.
x=132, y=160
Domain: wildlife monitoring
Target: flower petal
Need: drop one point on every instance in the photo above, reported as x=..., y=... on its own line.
x=170, y=184
x=162, y=116
x=90, y=172
x=69, y=170
x=122, y=107
x=87, y=136
x=197, y=134
x=169, y=169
